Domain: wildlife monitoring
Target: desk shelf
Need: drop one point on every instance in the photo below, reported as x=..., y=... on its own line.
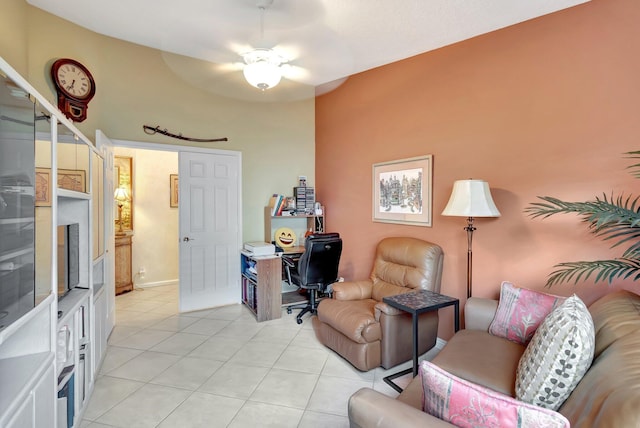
x=300, y=224
x=261, y=286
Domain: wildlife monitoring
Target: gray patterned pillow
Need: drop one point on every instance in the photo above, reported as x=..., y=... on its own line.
x=558, y=356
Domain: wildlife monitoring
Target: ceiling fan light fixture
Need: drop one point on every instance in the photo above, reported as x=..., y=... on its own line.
x=262, y=69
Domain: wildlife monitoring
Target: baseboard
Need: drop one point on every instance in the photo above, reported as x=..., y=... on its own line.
x=157, y=283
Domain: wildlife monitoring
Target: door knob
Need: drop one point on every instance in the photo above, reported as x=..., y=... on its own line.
x=187, y=239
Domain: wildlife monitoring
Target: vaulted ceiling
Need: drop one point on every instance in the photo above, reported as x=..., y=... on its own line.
x=323, y=41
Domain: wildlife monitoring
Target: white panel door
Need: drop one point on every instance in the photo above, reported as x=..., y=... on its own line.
x=210, y=234
x=105, y=145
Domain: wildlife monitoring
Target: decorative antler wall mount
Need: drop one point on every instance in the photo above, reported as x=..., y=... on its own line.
x=151, y=130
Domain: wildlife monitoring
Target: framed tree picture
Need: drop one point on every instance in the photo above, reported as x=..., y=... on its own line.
x=402, y=191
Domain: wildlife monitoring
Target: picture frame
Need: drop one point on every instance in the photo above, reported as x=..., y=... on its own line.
x=43, y=187
x=72, y=179
x=403, y=191
x=173, y=190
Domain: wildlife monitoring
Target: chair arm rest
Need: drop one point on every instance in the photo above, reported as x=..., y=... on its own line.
x=352, y=290
x=370, y=408
x=290, y=264
x=387, y=310
x=290, y=261
x=479, y=312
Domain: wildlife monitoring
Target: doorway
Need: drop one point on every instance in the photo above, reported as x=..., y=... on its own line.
x=203, y=268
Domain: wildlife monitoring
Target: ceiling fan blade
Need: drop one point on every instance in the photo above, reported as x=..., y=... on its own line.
x=312, y=57
x=289, y=26
x=294, y=72
x=228, y=81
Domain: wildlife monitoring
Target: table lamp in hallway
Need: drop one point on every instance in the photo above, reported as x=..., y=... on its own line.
x=121, y=196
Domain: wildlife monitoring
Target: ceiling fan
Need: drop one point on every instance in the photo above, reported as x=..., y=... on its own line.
x=274, y=57
x=263, y=66
x=291, y=48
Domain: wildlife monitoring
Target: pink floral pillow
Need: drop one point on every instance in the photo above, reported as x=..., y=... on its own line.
x=466, y=404
x=520, y=312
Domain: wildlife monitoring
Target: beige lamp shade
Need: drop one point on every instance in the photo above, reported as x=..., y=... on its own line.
x=471, y=198
x=121, y=194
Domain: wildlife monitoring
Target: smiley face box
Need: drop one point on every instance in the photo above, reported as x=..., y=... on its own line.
x=285, y=237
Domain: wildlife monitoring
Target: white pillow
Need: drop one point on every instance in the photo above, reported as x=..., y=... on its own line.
x=558, y=356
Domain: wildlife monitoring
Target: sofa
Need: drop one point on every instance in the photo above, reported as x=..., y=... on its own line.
x=608, y=396
x=364, y=330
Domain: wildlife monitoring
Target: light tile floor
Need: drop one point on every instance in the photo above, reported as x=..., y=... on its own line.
x=219, y=368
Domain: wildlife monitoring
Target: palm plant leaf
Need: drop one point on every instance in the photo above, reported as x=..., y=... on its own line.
x=608, y=218
x=612, y=219
x=635, y=168
x=604, y=270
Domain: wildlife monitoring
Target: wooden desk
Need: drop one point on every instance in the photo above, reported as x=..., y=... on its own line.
x=294, y=250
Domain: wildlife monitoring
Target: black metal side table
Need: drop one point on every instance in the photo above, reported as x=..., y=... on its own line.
x=416, y=303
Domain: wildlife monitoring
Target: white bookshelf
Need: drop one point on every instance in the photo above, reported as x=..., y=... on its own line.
x=56, y=340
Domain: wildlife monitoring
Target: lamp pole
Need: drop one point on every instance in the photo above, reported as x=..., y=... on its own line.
x=470, y=198
x=120, y=216
x=469, y=228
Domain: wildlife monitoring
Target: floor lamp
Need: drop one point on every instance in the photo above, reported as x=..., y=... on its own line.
x=470, y=198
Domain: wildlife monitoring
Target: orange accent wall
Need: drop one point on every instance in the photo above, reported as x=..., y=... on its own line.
x=546, y=107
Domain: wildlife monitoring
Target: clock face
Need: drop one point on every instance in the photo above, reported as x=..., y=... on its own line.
x=73, y=80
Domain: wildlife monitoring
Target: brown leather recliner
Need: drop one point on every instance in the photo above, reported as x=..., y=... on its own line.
x=369, y=333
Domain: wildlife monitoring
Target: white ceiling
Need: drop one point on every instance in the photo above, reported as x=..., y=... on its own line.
x=324, y=40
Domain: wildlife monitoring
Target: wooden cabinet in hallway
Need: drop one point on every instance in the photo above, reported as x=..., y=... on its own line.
x=124, y=280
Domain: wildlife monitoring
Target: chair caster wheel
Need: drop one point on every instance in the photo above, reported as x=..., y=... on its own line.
x=298, y=320
x=289, y=310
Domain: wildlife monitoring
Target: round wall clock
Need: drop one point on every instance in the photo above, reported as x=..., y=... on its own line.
x=75, y=87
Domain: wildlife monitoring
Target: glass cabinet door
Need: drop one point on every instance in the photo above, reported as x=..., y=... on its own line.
x=17, y=202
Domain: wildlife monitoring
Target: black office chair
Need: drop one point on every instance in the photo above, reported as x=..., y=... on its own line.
x=315, y=269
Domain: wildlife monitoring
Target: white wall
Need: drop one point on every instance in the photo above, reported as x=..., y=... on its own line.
x=155, y=239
